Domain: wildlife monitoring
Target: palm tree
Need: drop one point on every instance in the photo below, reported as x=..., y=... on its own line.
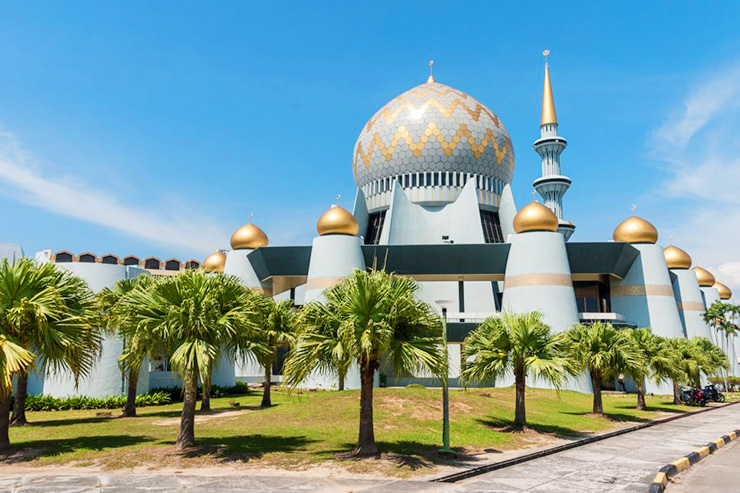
x=199, y=315
x=716, y=316
x=686, y=367
x=378, y=317
x=14, y=359
x=321, y=338
x=275, y=321
x=514, y=343
x=605, y=352
x=712, y=359
x=657, y=361
x=139, y=344
x=47, y=311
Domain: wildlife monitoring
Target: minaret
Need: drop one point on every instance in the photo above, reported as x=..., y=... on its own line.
x=552, y=185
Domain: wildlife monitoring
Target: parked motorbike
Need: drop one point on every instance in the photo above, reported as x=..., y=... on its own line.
x=694, y=396
x=713, y=394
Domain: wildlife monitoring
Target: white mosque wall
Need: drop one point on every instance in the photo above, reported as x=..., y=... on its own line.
x=238, y=265
x=360, y=212
x=506, y=213
x=10, y=252
x=690, y=304
x=333, y=257
x=710, y=296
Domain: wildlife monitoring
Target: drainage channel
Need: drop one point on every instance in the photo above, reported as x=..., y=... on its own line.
x=477, y=471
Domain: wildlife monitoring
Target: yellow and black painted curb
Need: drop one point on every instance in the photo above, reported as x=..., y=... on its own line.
x=669, y=470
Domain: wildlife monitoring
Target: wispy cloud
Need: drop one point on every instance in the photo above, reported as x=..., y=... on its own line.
x=699, y=144
x=71, y=196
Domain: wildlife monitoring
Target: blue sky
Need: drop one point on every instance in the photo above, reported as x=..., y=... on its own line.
x=156, y=128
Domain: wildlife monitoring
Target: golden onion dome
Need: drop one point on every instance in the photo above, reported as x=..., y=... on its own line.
x=249, y=236
x=725, y=293
x=337, y=221
x=705, y=278
x=676, y=258
x=635, y=230
x=535, y=217
x=215, y=262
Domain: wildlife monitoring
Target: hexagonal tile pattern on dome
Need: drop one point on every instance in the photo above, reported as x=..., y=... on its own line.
x=433, y=127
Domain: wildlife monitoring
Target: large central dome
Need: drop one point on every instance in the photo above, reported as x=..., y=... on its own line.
x=434, y=128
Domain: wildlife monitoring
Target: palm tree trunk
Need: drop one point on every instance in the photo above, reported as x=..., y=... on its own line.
x=186, y=438
x=4, y=421
x=520, y=414
x=342, y=375
x=676, y=394
x=205, y=403
x=366, y=441
x=19, y=403
x=596, y=382
x=266, y=400
x=640, y=394
x=727, y=353
x=133, y=381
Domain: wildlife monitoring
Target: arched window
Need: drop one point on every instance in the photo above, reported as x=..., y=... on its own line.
x=192, y=264
x=131, y=260
x=87, y=257
x=152, y=263
x=172, y=264
x=109, y=259
x=63, y=257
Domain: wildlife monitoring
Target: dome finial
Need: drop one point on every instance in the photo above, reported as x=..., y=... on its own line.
x=430, y=79
x=548, y=103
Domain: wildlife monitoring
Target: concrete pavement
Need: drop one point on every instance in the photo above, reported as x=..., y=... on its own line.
x=716, y=473
x=625, y=463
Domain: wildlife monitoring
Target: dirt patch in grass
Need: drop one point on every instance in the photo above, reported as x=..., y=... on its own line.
x=203, y=418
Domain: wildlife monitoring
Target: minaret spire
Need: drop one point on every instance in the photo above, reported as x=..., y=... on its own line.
x=552, y=185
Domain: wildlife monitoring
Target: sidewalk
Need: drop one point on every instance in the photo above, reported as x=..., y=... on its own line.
x=716, y=473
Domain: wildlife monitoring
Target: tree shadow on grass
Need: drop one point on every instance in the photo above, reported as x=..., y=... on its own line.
x=617, y=417
x=408, y=454
x=243, y=448
x=70, y=421
x=26, y=451
x=505, y=425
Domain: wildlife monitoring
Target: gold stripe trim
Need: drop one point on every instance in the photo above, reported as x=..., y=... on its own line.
x=322, y=282
x=523, y=280
x=690, y=306
x=642, y=290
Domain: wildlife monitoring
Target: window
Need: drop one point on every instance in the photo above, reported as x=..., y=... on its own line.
x=592, y=297
x=152, y=263
x=87, y=257
x=491, y=227
x=374, y=228
x=110, y=259
x=192, y=264
x=172, y=264
x=131, y=261
x=63, y=257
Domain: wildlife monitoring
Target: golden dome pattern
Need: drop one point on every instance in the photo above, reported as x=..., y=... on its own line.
x=535, y=217
x=214, y=262
x=433, y=128
x=676, y=258
x=337, y=221
x=635, y=230
x=705, y=278
x=725, y=293
x=249, y=236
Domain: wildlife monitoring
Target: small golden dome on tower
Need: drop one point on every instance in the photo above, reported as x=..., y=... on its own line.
x=215, y=262
x=635, y=230
x=535, y=217
x=337, y=221
x=705, y=278
x=249, y=236
x=725, y=293
x=676, y=258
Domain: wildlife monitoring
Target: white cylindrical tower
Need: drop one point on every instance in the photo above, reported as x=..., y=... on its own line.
x=710, y=294
x=645, y=295
x=538, y=275
x=243, y=242
x=686, y=290
x=552, y=185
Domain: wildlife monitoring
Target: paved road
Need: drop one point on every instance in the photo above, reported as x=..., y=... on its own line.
x=626, y=463
x=718, y=472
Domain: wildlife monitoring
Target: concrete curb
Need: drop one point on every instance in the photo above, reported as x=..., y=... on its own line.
x=670, y=470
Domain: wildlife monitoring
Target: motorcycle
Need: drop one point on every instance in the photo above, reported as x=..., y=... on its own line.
x=713, y=394
x=694, y=396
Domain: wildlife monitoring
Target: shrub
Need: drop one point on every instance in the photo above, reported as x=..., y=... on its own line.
x=38, y=402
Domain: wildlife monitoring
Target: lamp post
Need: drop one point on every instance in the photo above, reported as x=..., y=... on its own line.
x=444, y=305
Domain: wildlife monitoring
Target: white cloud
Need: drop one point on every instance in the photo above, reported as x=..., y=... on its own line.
x=700, y=146
x=73, y=197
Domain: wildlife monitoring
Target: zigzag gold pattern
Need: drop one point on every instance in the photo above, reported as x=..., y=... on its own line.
x=446, y=111
x=423, y=90
x=463, y=134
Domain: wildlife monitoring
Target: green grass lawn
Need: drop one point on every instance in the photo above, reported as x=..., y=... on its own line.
x=312, y=428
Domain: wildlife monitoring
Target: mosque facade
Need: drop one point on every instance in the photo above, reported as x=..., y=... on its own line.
x=433, y=170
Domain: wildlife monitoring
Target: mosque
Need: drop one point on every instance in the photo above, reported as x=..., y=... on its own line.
x=433, y=169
